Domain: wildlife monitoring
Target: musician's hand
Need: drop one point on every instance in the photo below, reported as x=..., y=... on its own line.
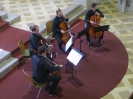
x=50, y=47
x=64, y=16
x=97, y=13
x=62, y=31
x=61, y=66
x=40, y=33
x=92, y=23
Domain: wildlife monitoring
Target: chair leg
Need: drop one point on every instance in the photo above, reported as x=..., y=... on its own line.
x=38, y=93
x=29, y=87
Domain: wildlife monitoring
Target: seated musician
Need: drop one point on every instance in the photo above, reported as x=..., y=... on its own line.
x=35, y=39
x=42, y=68
x=57, y=32
x=89, y=23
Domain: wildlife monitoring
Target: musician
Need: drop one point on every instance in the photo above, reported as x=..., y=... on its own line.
x=57, y=32
x=42, y=68
x=35, y=39
x=89, y=23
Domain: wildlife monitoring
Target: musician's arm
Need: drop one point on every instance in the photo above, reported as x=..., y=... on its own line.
x=87, y=18
x=55, y=26
x=48, y=67
x=101, y=14
x=35, y=43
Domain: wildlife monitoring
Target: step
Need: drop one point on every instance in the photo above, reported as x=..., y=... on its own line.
x=66, y=12
x=4, y=55
x=8, y=65
x=3, y=14
x=76, y=14
x=70, y=9
x=3, y=24
x=12, y=18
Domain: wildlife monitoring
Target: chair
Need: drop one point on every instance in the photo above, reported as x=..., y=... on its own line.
x=34, y=83
x=49, y=28
x=25, y=52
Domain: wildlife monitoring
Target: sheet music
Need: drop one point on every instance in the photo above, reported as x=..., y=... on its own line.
x=74, y=57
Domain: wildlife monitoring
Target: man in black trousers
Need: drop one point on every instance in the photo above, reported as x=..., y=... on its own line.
x=57, y=32
x=89, y=23
x=42, y=68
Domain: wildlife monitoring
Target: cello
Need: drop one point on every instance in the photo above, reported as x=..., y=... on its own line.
x=95, y=18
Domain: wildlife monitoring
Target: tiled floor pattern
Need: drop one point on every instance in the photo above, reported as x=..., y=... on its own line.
x=34, y=11
x=39, y=11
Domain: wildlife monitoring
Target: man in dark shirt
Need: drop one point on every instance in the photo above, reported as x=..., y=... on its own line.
x=89, y=23
x=42, y=68
x=57, y=32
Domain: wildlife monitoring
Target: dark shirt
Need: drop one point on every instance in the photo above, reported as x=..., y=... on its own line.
x=90, y=13
x=55, y=25
x=41, y=68
x=34, y=41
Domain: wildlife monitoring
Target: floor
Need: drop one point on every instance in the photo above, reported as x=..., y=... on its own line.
x=121, y=25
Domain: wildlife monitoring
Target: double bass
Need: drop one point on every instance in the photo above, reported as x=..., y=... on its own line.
x=95, y=18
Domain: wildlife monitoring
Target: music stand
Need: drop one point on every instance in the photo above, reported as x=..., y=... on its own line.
x=74, y=58
x=98, y=30
x=81, y=33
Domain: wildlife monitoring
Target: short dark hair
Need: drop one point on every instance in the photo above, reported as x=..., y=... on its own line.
x=93, y=5
x=33, y=27
x=59, y=10
x=42, y=49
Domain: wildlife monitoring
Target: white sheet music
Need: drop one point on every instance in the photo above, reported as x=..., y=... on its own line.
x=68, y=44
x=74, y=56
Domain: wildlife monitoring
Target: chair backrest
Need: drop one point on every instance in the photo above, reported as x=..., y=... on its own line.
x=49, y=27
x=29, y=78
x=33, y=82
x=21, y=46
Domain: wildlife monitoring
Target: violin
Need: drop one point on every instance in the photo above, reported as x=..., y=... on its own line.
x=95, y=18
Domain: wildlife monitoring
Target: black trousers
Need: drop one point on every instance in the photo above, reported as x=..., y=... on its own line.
x=50, y=78
x=87, y=34
x=59, y=40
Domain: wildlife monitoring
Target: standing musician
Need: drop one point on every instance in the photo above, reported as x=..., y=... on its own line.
x=35, y=39
x=90, y=23
x=42, y=68
x=57, y=31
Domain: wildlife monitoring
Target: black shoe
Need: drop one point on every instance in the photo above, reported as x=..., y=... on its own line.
x=54, y=92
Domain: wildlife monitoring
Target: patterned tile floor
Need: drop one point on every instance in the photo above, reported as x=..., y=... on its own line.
x=39, y=11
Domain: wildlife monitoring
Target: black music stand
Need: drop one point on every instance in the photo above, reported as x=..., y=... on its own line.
x=98, y=30
x=81, y=33
x=74, y=58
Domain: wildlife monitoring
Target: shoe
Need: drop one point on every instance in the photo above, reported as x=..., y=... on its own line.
x=54, y=92
x=89, y=43
x=100, y=41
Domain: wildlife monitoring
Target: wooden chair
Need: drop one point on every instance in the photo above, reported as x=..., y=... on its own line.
x=25, y=52
x=49, y=28
x=34, y=83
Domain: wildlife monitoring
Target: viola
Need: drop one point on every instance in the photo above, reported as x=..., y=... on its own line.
x=47, y=42
x=57, y=73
